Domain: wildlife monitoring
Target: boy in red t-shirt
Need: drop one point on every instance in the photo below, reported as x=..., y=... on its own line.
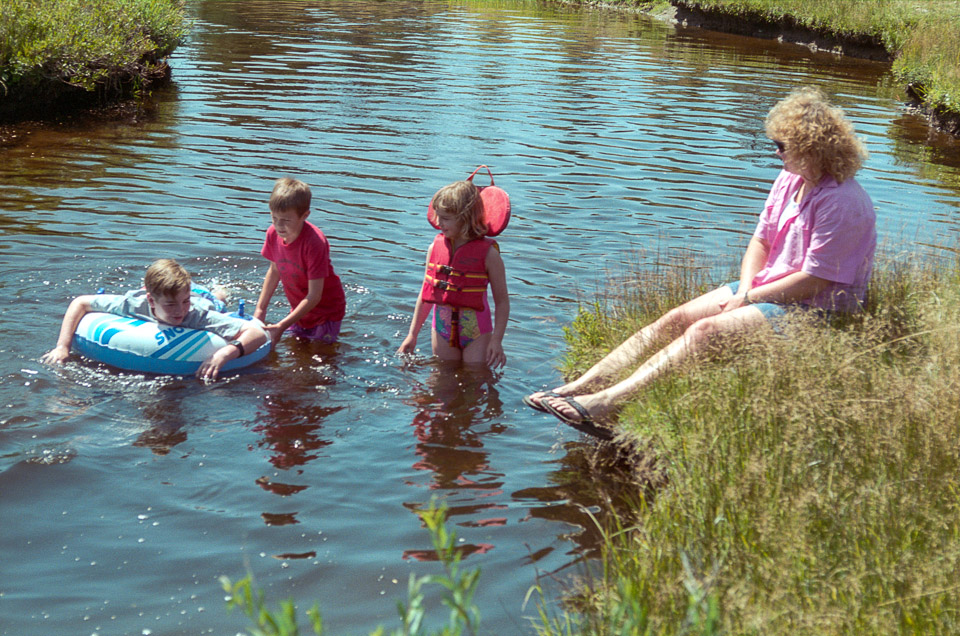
x=299, y=255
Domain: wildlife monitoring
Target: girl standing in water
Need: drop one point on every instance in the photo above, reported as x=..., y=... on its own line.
x=461, y=262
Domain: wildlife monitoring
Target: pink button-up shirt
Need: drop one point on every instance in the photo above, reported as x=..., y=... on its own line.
x=832, y=236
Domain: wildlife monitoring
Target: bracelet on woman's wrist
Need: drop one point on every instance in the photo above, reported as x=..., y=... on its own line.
x=746, y=297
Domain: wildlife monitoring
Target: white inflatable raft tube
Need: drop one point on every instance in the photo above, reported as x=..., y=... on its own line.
x=148, y=347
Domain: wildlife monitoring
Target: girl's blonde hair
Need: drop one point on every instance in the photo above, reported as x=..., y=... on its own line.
x=819, y=134
x=462, y=200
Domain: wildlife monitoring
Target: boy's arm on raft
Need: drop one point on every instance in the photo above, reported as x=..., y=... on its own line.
x=420, y=312
x=77, y=309
x=251, y=336
x=270, y=282
x=496, y=273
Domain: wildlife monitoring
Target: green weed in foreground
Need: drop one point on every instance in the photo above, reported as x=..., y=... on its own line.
x=459, y=585
x=814, y=480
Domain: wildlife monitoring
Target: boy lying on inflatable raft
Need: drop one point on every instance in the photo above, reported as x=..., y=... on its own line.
x=192, y=335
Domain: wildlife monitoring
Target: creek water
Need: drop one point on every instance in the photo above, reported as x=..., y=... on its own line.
x=620, y=140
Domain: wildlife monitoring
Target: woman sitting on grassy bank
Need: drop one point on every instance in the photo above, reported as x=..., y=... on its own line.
x=812, y=249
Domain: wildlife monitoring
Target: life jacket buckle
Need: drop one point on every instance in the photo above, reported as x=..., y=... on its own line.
x=442, y=285
x=446, y=269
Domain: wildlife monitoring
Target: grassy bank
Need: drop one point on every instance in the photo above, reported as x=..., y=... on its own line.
x=813, y=480
x=922, y=37
x=57, y=50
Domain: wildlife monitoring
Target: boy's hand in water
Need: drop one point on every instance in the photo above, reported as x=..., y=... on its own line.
x=58, y=355
x=210, y=368
x=496, y=358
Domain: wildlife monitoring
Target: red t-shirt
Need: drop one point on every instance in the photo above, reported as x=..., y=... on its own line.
x=306, y=259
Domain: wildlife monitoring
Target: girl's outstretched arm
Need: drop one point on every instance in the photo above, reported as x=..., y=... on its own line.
x=420, y=312
x=496, y=273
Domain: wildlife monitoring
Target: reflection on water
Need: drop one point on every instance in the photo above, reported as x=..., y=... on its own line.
x=614, y=136
x=458, y=407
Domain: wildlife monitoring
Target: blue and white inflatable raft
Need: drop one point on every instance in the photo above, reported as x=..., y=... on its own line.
x=148, y=347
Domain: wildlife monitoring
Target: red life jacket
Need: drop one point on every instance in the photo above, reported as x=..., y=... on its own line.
x=458, y=279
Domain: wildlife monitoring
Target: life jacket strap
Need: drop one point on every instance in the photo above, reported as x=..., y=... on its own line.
x=445, y=285
x=446, y=270
x=455, y=329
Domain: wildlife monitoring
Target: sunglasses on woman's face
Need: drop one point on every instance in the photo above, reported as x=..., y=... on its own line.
x=780, y=147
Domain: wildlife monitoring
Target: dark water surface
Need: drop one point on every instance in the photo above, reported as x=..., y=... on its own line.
x=123, y=497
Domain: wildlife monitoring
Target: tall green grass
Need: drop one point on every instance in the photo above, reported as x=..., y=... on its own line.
x=813, y=479
x=48, y=44
x=923, y=36
x=887, y=20
x=930, y=61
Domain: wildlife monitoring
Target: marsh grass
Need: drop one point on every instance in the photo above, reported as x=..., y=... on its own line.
x=890, y=20
x=930, y=60
x=813, y=478
x=48, y=47
x=921, y=35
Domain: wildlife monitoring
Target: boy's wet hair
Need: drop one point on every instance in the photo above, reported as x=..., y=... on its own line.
x=462, y=200
x=290, y=194
x=166, y=277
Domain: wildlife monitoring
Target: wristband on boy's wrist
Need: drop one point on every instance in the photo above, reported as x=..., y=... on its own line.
x=746, y=297
x=239, y=346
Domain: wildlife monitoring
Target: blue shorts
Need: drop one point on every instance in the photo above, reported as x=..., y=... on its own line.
x=769, y=310
x=203, y=292
x=773, y=312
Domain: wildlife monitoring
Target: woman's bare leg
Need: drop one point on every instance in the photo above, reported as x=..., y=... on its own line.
x=633, y=349
x=602, y=404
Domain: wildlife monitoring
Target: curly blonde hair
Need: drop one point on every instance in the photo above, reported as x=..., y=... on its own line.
x=819, y=134
x=462, y=200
